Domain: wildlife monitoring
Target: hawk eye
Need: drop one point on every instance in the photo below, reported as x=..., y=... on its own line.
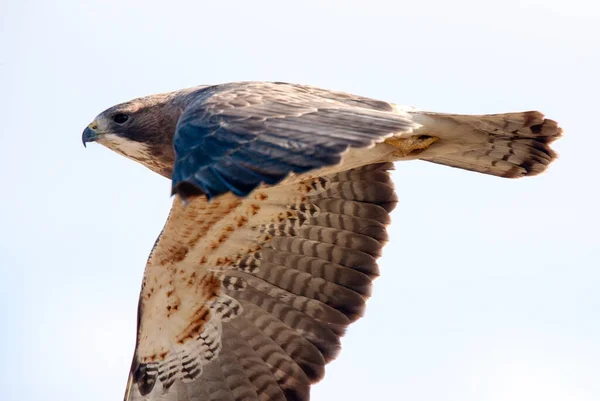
x=120, y=118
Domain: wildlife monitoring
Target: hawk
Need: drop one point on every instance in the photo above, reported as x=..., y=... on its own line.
x=282, y=198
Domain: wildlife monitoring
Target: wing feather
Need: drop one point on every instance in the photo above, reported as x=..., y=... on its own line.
x=270, y=283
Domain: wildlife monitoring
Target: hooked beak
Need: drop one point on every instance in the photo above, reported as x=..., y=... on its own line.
x=89, y=134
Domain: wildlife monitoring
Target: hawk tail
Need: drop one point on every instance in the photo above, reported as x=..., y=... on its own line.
x=507, y=145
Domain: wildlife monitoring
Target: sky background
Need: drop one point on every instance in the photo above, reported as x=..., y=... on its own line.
x=489, y=288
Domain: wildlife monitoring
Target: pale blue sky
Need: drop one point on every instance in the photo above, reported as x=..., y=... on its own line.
x=489, y=289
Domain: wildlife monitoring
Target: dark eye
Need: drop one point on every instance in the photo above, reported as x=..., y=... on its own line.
x=120, y=118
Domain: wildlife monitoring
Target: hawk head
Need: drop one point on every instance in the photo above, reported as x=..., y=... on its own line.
x=142, y=129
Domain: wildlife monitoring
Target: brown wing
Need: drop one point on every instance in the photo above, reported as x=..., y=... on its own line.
x=246, y=299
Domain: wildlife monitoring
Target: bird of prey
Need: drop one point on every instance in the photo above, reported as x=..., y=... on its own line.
x=282, y=198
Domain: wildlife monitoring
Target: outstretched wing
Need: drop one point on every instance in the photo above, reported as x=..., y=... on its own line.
x=245, y=298
x=236, y=136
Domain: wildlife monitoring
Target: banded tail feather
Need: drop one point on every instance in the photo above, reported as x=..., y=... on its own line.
x=509, y=145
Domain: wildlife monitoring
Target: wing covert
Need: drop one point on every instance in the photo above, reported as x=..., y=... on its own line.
x=234, y=137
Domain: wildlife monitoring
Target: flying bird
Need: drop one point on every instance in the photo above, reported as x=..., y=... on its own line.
x=282, y=195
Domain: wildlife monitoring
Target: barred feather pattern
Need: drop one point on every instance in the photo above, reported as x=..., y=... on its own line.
x=293, y=275
x=509, y=145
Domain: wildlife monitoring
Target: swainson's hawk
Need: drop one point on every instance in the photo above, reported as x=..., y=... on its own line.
x=282, y=197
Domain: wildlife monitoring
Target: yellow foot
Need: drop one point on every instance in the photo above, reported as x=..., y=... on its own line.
x=411, y=146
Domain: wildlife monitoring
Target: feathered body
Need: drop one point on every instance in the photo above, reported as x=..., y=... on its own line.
x=282, y=200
